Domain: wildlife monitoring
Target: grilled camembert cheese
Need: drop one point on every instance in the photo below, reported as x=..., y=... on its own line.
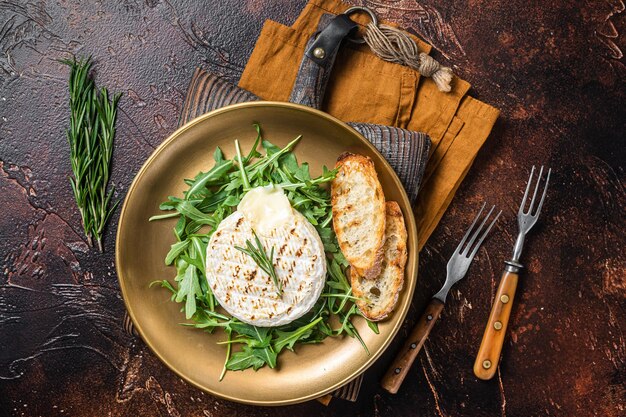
x=241, y=286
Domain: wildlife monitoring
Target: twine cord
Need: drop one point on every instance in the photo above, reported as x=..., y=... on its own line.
x=392, y=44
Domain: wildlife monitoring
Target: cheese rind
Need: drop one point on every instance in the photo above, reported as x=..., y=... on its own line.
x=246, y=291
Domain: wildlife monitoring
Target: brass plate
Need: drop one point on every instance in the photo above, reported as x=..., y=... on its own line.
x=313, y=370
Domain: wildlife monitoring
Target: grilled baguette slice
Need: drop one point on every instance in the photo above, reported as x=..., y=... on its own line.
x=358, y=205
x=380, y=295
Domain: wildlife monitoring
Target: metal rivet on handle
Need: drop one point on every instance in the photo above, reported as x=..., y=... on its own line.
x=429, y=318
x=319, y=53
x=397, y=370
x=413, y=345
x=497, y=325
x=504, y=298
x=487, y=364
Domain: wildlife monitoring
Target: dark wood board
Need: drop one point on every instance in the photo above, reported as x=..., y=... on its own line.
x=555, y=69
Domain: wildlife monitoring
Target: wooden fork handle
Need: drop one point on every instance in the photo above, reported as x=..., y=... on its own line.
x=491, y=346
x=400, y=366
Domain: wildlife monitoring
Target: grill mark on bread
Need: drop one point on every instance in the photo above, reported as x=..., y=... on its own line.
x=358, y=207
x=381, y=293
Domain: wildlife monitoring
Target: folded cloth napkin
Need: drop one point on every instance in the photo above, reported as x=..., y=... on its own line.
x=364, y=88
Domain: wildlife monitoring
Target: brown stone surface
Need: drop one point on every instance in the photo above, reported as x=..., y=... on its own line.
x=557, y=71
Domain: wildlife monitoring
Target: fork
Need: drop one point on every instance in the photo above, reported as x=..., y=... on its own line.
x=491, y=346
x=456, y=269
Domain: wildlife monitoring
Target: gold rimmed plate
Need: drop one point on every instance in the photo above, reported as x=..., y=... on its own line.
x=312, y=370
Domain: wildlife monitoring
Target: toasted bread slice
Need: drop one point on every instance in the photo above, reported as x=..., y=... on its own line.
x=379, y=296
x=358, y=205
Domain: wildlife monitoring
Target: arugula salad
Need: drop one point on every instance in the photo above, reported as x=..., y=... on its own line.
x=214, y=195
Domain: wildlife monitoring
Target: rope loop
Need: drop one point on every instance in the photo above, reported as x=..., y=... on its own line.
x=393, y=45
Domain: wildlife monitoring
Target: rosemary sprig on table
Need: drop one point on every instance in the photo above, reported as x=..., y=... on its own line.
x=265, y=262
x=90, y=136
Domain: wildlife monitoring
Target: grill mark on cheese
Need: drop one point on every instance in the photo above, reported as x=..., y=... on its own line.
x=250, y=274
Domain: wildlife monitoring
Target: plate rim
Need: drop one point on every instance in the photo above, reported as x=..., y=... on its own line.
x=411, y=230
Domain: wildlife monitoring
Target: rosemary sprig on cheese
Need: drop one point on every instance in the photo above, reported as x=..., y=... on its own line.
x=90, y=136
x=261, y=258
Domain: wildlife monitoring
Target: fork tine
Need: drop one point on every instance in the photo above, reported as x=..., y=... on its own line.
x=545, y=190
x=458, y=248
x=530, y=180
x=477, y=231
x=484, y=235
x=532, y=202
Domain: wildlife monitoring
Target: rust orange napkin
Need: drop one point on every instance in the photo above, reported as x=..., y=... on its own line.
x=364, y=88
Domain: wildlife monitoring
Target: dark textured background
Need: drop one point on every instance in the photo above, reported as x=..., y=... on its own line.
x=557, y=71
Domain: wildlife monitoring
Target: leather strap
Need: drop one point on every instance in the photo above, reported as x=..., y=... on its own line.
x=327, y=43
x=318, y=59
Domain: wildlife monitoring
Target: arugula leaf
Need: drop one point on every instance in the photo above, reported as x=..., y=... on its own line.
x=218, y=155
x=266, y=354
x=257, y=336
x=213, y=175
x=244, y=359
x=165, y=284
x=189, y=288
x=176, y=249
x=198, y=251
x=188, y=210
x=179, y=229
x=253, y=152
x=288, y=339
